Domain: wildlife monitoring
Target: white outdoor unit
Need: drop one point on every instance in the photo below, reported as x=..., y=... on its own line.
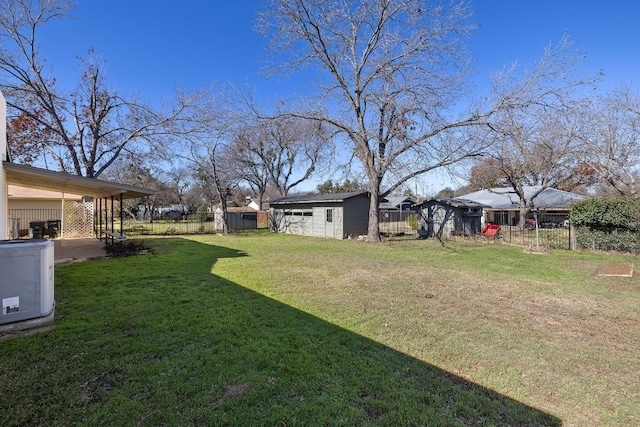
x=26, y=279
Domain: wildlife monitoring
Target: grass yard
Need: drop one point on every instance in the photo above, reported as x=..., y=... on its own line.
x=282, y=330
x=165, y=227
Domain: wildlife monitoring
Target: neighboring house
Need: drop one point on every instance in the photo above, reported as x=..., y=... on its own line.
x=250, y=203
x=242, y=217
x=447, y=217
x=172, y=215
x=396, y=204
x=335, y=216
x=395, y=211
x=503, y=205
x=172, y=212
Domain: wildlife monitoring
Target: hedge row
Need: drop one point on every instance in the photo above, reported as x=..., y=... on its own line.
x=620, y=240
x=602, y=214
x=607, y=224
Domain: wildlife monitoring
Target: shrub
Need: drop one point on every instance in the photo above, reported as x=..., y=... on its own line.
x=607, y=224
x=127, y=248
x=601, y=214
x=171, y=231
x=413, y=221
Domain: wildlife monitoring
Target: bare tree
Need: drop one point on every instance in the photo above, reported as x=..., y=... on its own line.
x=180, y=181
x=279, y=152
x=249, y=152
x=204, y=149
x=142, y=171
x=86, y=129
x=215, y=170
x=26, y=137
x=391, y=77
x=534, y=147
x=611, y=140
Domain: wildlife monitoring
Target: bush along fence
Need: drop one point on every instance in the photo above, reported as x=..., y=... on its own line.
x=167, y=227
x=607, y=224
x=617, y=239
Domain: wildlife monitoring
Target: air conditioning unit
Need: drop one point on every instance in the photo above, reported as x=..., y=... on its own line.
x=26, y=280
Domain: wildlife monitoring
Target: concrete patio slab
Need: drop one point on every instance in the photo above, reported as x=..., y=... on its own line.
x=75, y=250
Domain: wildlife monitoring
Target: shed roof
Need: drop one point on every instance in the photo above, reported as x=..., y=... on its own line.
x=32, y=177
x=456, y=203
x=318, y=198
x=506, y=198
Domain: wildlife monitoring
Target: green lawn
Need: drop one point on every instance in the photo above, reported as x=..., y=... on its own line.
x=281, y=330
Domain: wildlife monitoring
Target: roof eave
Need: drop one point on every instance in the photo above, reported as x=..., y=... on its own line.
x=32, y=177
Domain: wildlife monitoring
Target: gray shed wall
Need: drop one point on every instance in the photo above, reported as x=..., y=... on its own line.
x=348, y=218
x=356, y=216
x=449, y=220
x=442, y=223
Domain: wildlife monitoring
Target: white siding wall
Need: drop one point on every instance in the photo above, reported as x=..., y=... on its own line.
x=298, y=223
x=35, y=204
x=4, y=212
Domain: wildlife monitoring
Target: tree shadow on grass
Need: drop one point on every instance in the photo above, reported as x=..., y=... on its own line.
x=159, y=340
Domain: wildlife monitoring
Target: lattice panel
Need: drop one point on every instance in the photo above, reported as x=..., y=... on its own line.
x=78, y=219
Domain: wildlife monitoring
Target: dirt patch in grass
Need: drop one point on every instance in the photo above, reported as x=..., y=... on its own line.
x=616, y=270
x=232, y=392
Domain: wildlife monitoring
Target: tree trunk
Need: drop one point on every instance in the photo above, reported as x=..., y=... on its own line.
x=373, y=230
x=522, y=221
x=225, y=217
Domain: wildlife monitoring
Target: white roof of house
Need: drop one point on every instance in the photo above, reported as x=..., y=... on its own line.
x=506, y=198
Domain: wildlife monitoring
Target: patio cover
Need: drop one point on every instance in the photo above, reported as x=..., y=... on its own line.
x=37, y=178
x=506, y=198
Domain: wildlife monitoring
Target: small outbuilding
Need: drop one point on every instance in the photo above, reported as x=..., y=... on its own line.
x=238, y=218
x=335, y=216
x=449, y=217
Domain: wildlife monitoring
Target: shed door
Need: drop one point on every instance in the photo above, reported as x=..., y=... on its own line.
x=330, y=221
x=325, y=222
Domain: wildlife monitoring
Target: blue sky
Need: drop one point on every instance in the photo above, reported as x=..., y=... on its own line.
x=152, y=46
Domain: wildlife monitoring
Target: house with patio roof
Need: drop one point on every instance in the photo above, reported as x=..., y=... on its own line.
x=78, y=206
x=502, y=205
